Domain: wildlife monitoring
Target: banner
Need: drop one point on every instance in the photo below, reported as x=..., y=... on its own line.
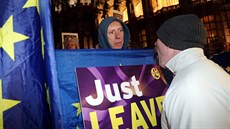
x=121, y=96
x=23, y=102
x=68, y=60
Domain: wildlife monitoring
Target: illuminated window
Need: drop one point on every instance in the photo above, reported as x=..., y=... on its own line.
x=211, y=27
x=159, y=4
x=88, y=43
x=226, y=25
x=138, y=8
x=143, y=38
x=125, y=15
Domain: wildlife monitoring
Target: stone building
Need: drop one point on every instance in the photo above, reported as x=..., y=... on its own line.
x=143, y=18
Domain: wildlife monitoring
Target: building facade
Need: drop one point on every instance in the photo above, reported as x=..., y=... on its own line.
x=143, y=18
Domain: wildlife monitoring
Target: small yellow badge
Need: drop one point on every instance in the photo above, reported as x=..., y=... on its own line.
x=155, y=73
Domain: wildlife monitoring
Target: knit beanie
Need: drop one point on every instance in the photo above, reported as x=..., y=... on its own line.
x=182, y=32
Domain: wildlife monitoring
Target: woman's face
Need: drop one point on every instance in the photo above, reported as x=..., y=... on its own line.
x=71, y=45
x=115, y=35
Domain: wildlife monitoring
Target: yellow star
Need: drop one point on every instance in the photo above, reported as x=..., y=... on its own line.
x=35, y=3
x=78, y=106
x=8, y=37
x=5, y=104
x=228, y=69
x=32, y=3
x=43, y=43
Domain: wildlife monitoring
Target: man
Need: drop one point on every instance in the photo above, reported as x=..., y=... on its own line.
x=113, y=34
x=199, y=94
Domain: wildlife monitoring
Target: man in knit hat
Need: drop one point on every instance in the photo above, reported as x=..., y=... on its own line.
x=199, y=94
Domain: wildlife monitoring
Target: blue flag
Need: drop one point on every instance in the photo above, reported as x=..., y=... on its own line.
x=23, y=102
x=68, y=60
x=50, y=64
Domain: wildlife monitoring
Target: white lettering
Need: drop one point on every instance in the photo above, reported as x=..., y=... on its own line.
x=100, y=97
x=116, y=96
x=136, y=83
x=125, y=87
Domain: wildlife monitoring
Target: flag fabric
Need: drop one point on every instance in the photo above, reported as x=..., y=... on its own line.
x=50, y=64
x=68, y=60
x=23, y=102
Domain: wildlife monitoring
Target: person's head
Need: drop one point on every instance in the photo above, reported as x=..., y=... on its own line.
x=177, y=34
x=113, y=34
x=72, y=43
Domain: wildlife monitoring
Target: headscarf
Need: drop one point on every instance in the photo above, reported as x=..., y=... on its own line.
x=102, y=33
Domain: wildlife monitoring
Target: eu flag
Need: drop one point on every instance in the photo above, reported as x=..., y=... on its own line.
x=50, y=64
x=23, y=103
